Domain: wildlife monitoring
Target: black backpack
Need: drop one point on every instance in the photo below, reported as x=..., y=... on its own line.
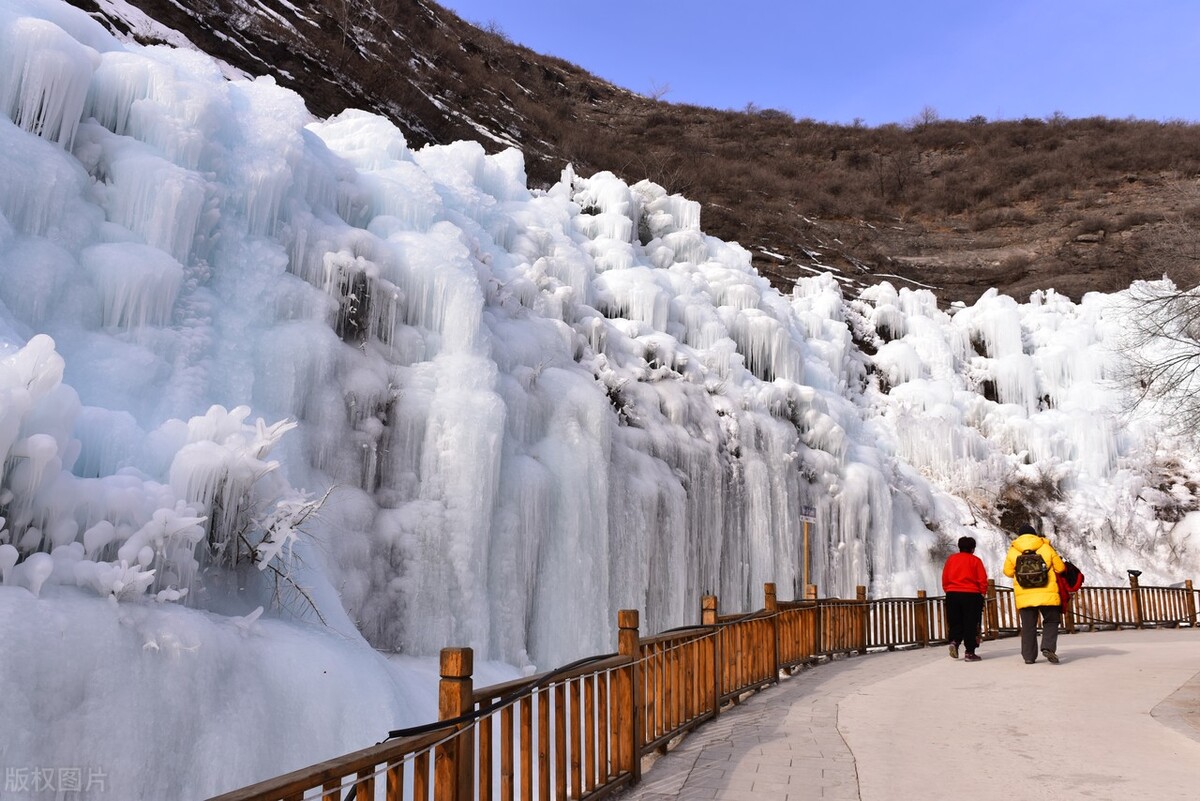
x=1031, y=570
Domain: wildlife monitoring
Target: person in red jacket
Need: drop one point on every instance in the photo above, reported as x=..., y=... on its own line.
x=964, y=580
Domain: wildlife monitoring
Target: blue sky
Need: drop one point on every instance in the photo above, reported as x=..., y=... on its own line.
x=837, y=60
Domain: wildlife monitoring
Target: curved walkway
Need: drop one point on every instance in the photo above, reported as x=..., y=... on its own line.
x=1119, y=718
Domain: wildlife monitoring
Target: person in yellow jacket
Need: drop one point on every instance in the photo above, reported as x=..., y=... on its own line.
x=1035, y=601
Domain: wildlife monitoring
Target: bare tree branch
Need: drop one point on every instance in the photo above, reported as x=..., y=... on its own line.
x=1161, y=350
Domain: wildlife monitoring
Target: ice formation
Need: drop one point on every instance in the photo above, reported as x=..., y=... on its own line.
x=494, y=396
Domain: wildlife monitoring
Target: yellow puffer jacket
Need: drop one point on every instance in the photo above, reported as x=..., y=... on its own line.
x=1035, y=596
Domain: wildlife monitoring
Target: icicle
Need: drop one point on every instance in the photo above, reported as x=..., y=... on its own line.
x=138, y=284
x=157, y=200
x=120, y=80
x=44, y=78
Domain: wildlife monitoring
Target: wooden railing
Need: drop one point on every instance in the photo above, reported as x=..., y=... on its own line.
x=557, y=732
x=580, y=732
x=1136, y=606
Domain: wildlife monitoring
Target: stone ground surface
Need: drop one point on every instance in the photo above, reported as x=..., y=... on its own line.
x=1118, y=719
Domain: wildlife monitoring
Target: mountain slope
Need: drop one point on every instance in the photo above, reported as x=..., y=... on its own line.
x=1074, y=205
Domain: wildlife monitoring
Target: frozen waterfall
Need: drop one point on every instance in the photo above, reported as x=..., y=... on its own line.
x=524, y=409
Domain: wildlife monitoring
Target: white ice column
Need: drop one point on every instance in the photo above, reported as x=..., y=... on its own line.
x=44, y=78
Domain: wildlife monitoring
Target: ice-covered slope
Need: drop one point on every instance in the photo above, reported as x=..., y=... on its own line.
x=1021, y=411
x=251, y=360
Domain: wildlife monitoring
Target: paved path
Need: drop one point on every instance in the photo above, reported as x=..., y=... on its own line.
x=1119, y=719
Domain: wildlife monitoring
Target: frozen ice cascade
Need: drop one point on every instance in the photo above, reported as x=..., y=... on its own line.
x=285, y=405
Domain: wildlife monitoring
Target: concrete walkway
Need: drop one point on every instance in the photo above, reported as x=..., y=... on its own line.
x=1118, y=719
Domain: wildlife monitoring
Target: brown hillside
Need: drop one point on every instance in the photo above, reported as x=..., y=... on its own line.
x=959, y=206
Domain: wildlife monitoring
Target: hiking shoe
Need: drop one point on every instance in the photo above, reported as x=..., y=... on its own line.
x=954, y=650
x=1051, y=657
x=972, y=658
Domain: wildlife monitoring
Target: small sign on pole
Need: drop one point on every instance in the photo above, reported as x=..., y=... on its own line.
x=808, y=514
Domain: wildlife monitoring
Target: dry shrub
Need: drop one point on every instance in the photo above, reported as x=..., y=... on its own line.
x=997, y=217
x=1091, y=224
x=1016, y=262
x=1135, y=218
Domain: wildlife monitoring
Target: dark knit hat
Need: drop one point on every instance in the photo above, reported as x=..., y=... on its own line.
x=1027, y=529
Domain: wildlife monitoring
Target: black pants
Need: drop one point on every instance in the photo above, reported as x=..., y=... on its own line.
x=1051, y=616
x=963, y=613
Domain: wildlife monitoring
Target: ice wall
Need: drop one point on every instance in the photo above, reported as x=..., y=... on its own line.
x=1016, y=405
x=512, y=393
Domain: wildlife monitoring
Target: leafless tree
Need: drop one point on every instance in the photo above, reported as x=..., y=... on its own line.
x=494, y=28
x=658, y=90
x=672, y=174
x=1161, y=352
x=927, y=116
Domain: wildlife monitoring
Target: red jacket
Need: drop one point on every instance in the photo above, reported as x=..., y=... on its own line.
x=964, y=572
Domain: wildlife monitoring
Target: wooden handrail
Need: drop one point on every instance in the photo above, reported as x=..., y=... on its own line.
x=581, y=732
x=496, y=691
x=678, y=635
x=316, y=776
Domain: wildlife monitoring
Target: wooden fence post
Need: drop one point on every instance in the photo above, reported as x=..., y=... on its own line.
x=771, y=604
x=629, y=645
x=454, y=762
x=991, y=619
x=1191, y=603
x=810, y=594
x=1069, y=615
x=708, y=617
x=1137, y=601
x=991, y=612
x=922, y=619
x=860, y=593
